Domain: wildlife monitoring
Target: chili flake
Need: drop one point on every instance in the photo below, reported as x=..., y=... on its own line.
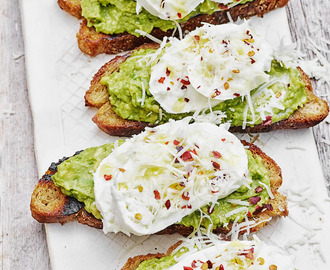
x=185, y=197
x=157, y=194
x=216, y=165
x=107, y=177
x=216, y=154
x=168, y=204
x=161, y=80
x=267, y=121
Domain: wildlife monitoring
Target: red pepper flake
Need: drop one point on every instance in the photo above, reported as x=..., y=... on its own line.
x=168, y=204
x=179, y=15
x=249, y=214
x=167, y=142
x=168, y=72
x=224, y=42
x=107, y=177
x=187, y=268
x=223, y=139
x=258, y=210
x=183, y=87
x=249, y=253
x=252, y=61
x=210, y=210
x=223, y=6
x=186, y=206
x=186, y=99
x=209, y=264
x=175, y=142
x=213, y=191
x=185, y=197
x=258, y=189
x=267, y=121
x=197, y=38
x=216, y=165
x=216, y=154
x=194, y=152
x=168, y=89
x=201, y=60
x=268, y=206
x=221, y=267
x=186, y=156
x=185, y=82
x=122, y=170
x=198, y=87
x=254, y=200
x=193, y=264
x=161, y=80
x=157, y=194
x=216, y=93
x=237, y=95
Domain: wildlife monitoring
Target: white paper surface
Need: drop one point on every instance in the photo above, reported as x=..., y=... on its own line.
x=58, y=76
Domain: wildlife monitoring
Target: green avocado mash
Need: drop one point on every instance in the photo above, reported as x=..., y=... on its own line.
x=119, y=16
x=75, y=177
x=126, y=95
x=161, y=263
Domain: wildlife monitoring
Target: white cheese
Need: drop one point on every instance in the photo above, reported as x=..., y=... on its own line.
x=163, y=174
x=211, y=64
x=236, y=255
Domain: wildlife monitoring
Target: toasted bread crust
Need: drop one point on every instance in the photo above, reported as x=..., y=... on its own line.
x=133, y=263
x=50, y=205
x=97, y=95
x=60, y=208
x=71, y=6
x=312, y=113
x=91, y=42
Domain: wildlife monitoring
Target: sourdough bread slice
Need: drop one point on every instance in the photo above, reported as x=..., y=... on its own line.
x=50, y=205
x=134, y=262
x=312, y=113
x=92, y=42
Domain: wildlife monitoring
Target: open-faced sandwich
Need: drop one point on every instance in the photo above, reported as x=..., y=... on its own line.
x=224, y=73
x=114, y=26
x=217, y=255
x=176, y=177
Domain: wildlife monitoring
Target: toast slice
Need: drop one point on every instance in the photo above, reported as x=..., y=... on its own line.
x=93, y=43
x=50, y=205
x=312, y=113
x=133, y=263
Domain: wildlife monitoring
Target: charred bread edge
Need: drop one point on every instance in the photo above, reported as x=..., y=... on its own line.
x=68, y=209
x=123, y=127
x=93, y=43
x=133, y=262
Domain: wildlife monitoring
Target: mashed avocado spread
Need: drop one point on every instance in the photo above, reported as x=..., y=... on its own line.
x=119, y=16
x=161, y=263
x=131, y=99
x=75, y=178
